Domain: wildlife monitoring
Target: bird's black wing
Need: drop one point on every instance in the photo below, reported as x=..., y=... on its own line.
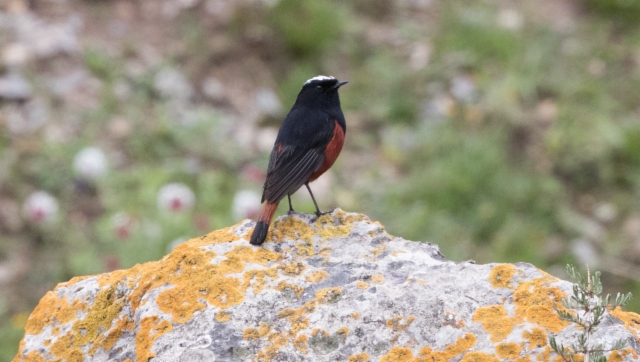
x=289, y=168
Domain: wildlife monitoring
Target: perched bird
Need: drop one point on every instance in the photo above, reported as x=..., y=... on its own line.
x=308, y=143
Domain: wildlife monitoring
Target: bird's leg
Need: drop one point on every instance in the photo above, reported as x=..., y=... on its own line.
x=318, y=213
x=291, y=210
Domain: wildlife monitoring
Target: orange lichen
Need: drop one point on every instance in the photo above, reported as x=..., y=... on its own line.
x=291, y=228
x=537, y=337
x=631, y=321
x=501, y=275
x=301, y=343
x=618, y=356
x=316, y=276
x=450, y=351
x=397, y=325
x=255, y=333
x=398, y=354
x=65, y=348
x=508, y=350
x=377, y=279
x=53, y=309
x=362, y=285
x=344, y=331
x=305, y=249
x=297, y=316
x=495, y=321
x=359, y=357
x=355, y=315
x=283, y=286
x=478, y=357
x=537, y=294
x=223, y=316
x=259, y=276
x=122, y=325
x=150, y=330
x=293, y=268
x=328, y=295
x=33, y=356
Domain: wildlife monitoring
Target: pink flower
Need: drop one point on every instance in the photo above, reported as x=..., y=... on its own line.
x=40, y=208
x=176, y=197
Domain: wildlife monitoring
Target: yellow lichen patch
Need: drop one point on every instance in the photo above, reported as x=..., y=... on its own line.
x=223, y=316
x=359, y=357
x=249, y=254
x=343, y=331
x=326, y=228
x=33, y=356
x=537, y=337
x=106, y=308
x=296, y=317
x=291, y=228
x=501, y=275
x=316, y=276
x=284, y=287
x=215, y=237
x=122, y=325
x=450, y=351
x=495, y=321
x=523, y=359
x=478, y=357
x=259, y=276
x=631, y=321
x=461, y=345
x=618, y=356
x=150, y=330
x=305, y=249
x=362, y=285
x=546, y=317
x=292, y=269
x=301, y=343
x=544, y=299
x=65, y=349
x=398, y=354
x=397, y=325
x=255, y=333
x=377, y=279
x=508, y=350
x=355, y=315
x=52, y=309
x=328, y=295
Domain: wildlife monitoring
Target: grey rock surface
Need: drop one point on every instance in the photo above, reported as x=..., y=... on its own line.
x=339, y=288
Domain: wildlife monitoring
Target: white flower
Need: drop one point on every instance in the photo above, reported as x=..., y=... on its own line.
x=246, y=205
x=176, y=197
x=40, y=207
x=90, y=163
x=510, y=19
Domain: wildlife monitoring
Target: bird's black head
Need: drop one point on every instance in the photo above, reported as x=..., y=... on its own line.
x=320, y=92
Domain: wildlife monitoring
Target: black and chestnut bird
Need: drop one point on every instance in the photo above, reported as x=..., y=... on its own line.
x=308, y=143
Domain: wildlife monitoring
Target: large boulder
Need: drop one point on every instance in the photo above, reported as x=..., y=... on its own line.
x=339, y=288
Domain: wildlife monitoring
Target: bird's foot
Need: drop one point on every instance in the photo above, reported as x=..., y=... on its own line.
x=291, y=212
x=318, y=214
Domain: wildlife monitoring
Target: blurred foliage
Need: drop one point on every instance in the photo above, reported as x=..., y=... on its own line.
x=497, y=141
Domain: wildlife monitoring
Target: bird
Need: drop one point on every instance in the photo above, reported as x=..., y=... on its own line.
x=308, y=143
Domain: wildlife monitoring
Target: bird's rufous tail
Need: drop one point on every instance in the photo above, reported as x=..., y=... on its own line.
x=262, y=225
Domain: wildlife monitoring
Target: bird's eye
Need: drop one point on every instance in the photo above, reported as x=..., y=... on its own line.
x=319, y=87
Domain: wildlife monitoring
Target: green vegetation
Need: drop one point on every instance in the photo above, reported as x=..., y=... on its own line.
x=588, y=308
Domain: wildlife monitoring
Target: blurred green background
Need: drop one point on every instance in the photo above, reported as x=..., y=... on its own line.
x=502, y=131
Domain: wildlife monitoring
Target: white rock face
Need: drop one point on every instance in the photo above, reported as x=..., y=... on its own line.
x=335, y=289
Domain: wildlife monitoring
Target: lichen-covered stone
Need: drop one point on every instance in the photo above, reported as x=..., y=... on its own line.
x=339, y=288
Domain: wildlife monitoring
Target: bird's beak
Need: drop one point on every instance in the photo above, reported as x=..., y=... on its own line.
x=340, y=84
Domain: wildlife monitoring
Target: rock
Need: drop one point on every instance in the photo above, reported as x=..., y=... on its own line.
x=336, y=289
